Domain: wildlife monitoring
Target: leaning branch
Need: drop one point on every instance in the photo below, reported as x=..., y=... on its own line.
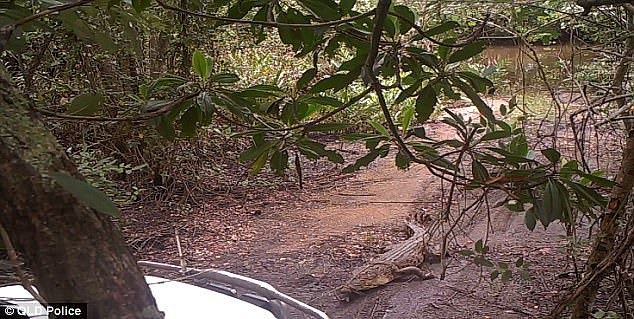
x=138, y=118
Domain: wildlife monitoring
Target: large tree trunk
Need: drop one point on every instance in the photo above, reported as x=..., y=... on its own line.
x=605, y=241
x=609, y=227
x=74, y=253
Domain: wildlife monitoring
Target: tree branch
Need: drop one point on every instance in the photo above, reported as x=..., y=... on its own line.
x=587, y=5
x=271, y=24
x=138, y=118
x=7, y=30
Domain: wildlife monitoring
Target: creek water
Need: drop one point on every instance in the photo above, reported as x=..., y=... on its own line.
x=514, y=66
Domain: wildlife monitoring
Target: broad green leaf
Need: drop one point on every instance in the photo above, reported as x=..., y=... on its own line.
x=425, y=103
x=199, y=63
x=479, y=83
x=345, y=6
x=140, y=5
x=553, y=208
x=530, y=219
x=323, y=9
x=225, y=78
x=260, y=91
x=442, y=28
x=596, y=179
x=479, y=172
x=402, y=160
x=322, y=100
x=166, y=128
x=85, y=104
x=279, y=161
x=404, y=25
x=588, y=194
x=257, y=166
x=328, y=127
x=552, y=155
x=468, y=51
x=379, y=128
x=482, y=107
x=188, y=121
x=336, y=82
x=407, y=116
x=166, y=82
x=408, y=92
x=255, y=151
x=362, y=162
x=86, y=193
x=315, y=150
x=307, y=76
x=495, y=135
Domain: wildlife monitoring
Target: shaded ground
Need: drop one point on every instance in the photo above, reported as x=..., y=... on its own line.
x=307, y=242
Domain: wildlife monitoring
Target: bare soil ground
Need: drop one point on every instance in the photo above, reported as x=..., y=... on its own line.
x=307, y=242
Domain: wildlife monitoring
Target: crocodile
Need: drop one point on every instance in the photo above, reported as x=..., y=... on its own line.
x=403, y=259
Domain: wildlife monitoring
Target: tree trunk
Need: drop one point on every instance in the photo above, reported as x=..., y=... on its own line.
x=604, y=243
x=75, y=253
x=609, y=227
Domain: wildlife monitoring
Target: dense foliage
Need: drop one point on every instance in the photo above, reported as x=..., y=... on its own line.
x=281, y=73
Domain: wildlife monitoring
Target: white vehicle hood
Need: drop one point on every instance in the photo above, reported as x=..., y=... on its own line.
x=176, y=299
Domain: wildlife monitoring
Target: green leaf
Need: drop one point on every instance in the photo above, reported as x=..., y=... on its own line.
x=257, y=166
x=336, y=82
x=225, y=78
x=470, y=50
x=404, y=25
x=345, y=6
x=140, y=5
x=596, y=179
x=495, y=135
x=315, y=150
x=530, y=219
x=362, y=162
x=552, y=155
x=379, y=128
x=86, y=193
x=482, y=107
x=85, y=104
x=402, y=160
x=407, y=116
x=255, y=151
x=553, y=208
x=425, y=103
x=279, y=161
x=479, y=172
x=188, y=121
x=260, y=91
x=199, y=63
x=166, y=128
x=166, y=82
x=442, y=28
x=328, y=127
x=308, y=76
x=323, y=9
x=588, y=194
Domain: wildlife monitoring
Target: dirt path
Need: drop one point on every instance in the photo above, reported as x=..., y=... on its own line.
x=307, y=243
